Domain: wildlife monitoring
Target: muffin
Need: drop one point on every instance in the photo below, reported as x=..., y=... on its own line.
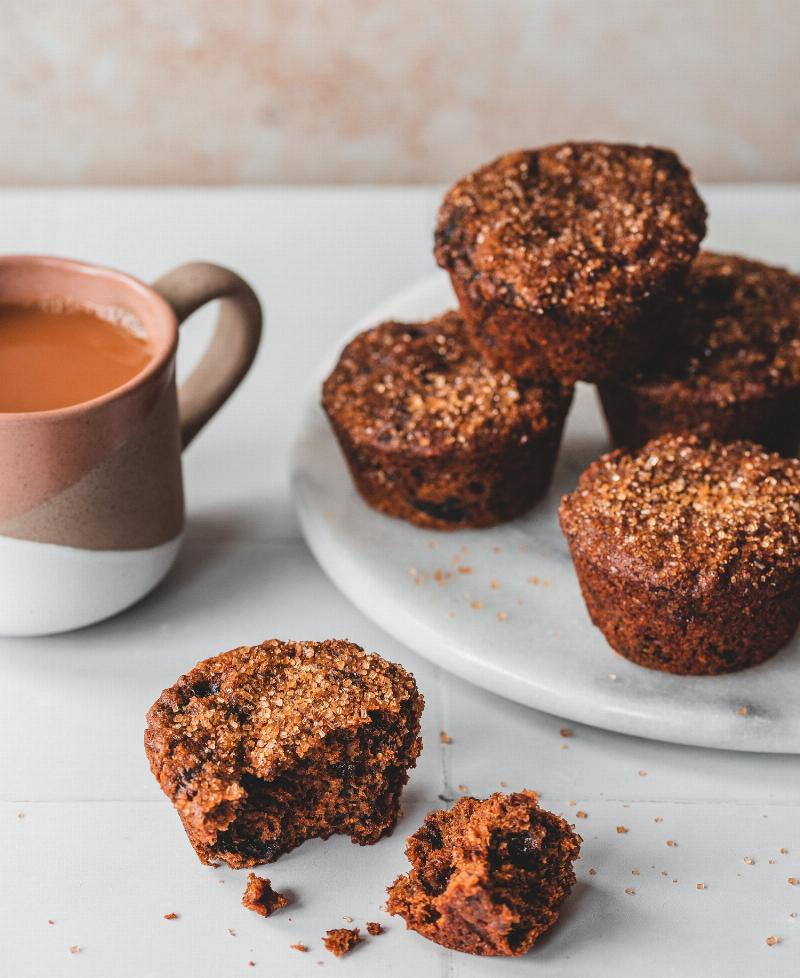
x=732, y=369
x=433, y=435
x=561, y=257
x=688, y=553
x=262, y=748
x=487, y=877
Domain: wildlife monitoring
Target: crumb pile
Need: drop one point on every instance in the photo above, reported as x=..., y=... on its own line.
x=261, y=898
x=688, y=553
x=488, y=876
x=262, y=748
x=582, y=241
x=435, y=435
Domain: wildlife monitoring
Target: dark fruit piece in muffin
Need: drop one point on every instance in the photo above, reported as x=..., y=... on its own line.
x=732, y=369
x=561, y=256
x=261, y=898
x=688, y=553
x=262, y=748
x=435, y=436
x=487, y=877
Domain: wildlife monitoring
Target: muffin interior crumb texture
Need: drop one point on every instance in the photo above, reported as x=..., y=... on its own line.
x=261, y=898
x=341, y=940
x=579, y=226
x=488, y=876
x=682, y=513
x=420, y=387
x=262, y=748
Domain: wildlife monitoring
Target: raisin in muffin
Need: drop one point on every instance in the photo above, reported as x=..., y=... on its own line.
x=433, y=435
x=732, y=368
x=688, y=553
x=262, y=748
x=487, y=877
x=561, y=256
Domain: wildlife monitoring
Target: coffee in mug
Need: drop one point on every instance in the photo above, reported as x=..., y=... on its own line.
x=55, y=354
x=92, y=426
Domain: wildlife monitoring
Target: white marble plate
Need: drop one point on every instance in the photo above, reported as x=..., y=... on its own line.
x=502, y=608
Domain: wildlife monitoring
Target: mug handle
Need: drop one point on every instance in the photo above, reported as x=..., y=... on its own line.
x=233, y=346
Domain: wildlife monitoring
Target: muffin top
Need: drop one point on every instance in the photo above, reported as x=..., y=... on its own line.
x=259, y=709
x=737, y=330
x=421, y=388
x=587, y=229
x=684, y=513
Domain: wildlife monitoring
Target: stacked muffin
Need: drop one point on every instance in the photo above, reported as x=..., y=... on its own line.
x=581, y=262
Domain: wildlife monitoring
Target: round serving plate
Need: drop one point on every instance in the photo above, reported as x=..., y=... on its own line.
x=502, y=608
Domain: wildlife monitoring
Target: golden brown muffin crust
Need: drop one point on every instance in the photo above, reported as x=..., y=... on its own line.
x=688, y=553
x=683, y=513
x=263, y=747
x=435, y=436
x=421, y=388
x=736, y=329
x=587, y=228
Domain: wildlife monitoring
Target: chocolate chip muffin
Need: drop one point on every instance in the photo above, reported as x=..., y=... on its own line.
x=435, y=436
x=487, y=877
x=688, y=553
x=562, y=256
x=732, y=367
x=262, y=748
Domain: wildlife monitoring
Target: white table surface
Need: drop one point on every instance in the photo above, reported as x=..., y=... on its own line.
x=88, y=841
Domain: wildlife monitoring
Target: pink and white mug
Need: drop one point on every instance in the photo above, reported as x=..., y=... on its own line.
x=91, y=495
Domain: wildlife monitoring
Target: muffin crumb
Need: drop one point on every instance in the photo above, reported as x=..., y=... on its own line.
x=341, y=941
x=261, y=898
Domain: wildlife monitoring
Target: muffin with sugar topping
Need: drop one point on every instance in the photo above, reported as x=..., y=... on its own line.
x=262, y=748
x=688, y=553
x=732, y=368
x=561, y=256
x=434, y=435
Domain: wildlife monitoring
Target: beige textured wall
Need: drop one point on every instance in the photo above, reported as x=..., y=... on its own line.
x=345, y=91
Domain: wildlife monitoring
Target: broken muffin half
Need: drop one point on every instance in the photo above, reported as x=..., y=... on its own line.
x=487, y=877
x=263, y=747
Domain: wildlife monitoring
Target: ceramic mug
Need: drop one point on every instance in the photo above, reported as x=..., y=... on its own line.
x=91, y=495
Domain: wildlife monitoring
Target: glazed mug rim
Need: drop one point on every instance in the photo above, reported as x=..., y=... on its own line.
x=164, y=336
